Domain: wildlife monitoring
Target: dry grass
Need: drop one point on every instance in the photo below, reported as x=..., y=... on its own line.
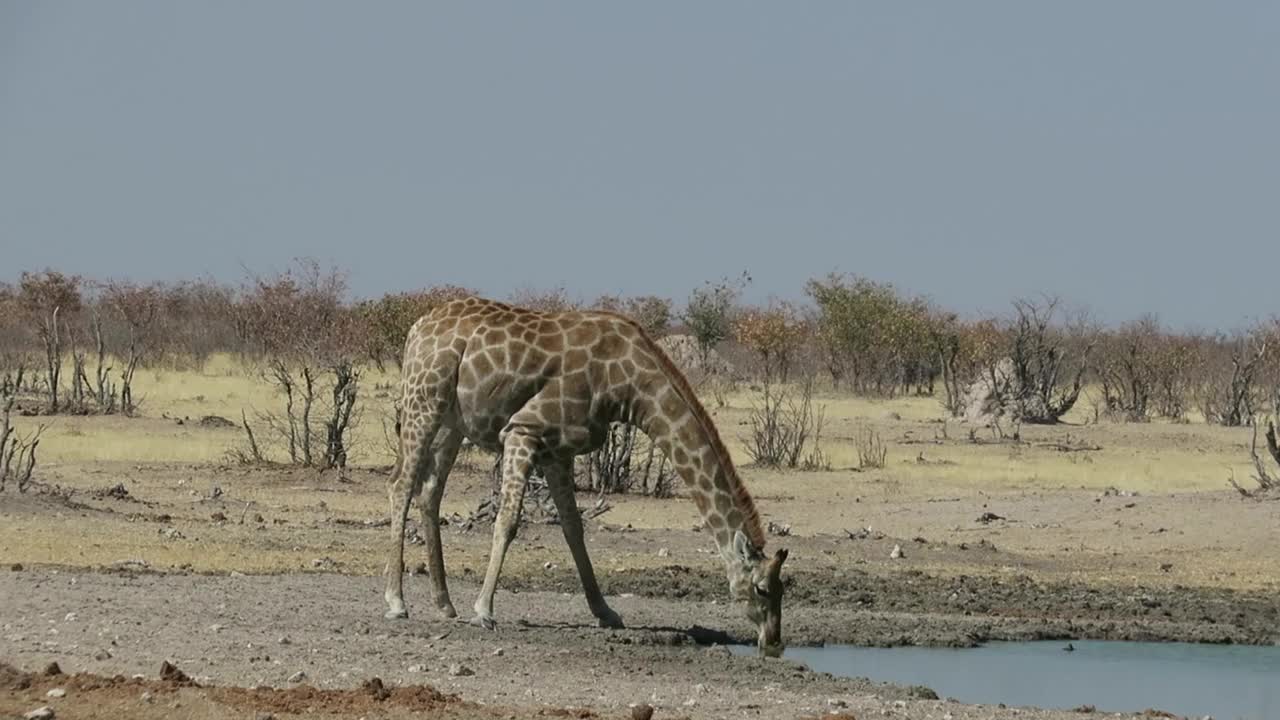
x=1147, y=457
x=935, y=484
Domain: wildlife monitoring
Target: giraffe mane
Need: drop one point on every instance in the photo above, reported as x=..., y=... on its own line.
x=741, y=496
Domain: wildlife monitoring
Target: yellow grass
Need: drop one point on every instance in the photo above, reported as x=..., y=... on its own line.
x=923, y=459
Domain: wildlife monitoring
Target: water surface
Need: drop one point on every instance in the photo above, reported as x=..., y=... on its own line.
x=1229, y=682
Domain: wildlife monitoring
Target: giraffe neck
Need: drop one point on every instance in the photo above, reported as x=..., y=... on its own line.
x=676, y=422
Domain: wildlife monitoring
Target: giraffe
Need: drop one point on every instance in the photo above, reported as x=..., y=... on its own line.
x=541, y=388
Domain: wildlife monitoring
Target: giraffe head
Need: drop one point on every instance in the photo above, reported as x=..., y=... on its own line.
x=757, y=579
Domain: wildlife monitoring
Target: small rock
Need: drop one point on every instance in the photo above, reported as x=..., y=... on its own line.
x=257, y=517
x=700, y=688
x=374, y=687
x=641, y=712
x=56, y=693
x=836, y=703
x=417, y=668
x=297, y=677
x=896, y=553
x=498, y=652
x=147, y=696
x=548, y=565
x=52, y=669
x=460, y=670
x=284, y=640
x=719, y=650
x=171, y=673
x=218, y=517
x=70, y=617
x=663, y=552
x=102, y=655
x=40, y=713
x=16, y=567
x=215, y=628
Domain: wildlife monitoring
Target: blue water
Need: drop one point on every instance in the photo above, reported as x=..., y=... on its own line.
x=1229, y=682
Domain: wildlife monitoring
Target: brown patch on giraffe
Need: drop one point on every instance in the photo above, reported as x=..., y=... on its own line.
x=598, y=374
x=581, y=335
x=551, y=412
x=670, y=404
x=680, y=456
x=480, y=364
x=499, y=355
x=702, y=503
x=616, y=375
x=551, y=340
x=575, y=360
x=723, y=503
x=658, y=426
x=609, y=347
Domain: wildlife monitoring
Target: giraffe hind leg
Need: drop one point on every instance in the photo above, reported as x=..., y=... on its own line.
x=418, y=431
x=444, y=455
x=517, y=461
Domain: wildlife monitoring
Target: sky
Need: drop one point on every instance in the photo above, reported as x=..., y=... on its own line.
x=1122, y=155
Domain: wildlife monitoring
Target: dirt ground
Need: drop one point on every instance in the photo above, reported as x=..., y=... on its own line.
x=243, y=578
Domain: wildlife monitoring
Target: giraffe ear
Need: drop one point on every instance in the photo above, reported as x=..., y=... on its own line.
x=743, y=547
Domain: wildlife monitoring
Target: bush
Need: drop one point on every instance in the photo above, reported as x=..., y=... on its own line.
x=775, y=335
x=708, y=315
x=786, y=429
x=872, y=453
x=388, y=319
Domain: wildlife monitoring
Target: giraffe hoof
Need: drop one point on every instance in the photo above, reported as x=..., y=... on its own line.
x=482, y=621
x=400, y=614
x=447, y=611
x=611, y=620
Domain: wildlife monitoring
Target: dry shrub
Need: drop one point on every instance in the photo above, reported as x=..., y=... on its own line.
x=627, y=462
x=17, y=452
x=309, y=340
x=786, y=428
x=872, y=452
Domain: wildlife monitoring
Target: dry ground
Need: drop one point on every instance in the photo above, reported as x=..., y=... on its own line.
x=1170, y=554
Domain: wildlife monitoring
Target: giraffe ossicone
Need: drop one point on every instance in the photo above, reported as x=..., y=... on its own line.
x=542, y=388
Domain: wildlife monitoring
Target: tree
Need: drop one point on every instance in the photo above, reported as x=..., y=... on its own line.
x=874, y=339
x=775, y=334
x=51, y=301
x=389, y=318
x=138, y=308
x=309, y=338
x=1048, y=362
x=708, y=314
x=650, y=312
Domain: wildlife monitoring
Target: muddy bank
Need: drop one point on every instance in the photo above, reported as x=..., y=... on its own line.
x=914, y=608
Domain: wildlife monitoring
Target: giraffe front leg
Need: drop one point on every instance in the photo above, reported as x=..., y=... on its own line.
x=560, y=481
x=517, y=462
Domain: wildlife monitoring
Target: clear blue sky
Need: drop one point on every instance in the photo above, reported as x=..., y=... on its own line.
x=1125, y=155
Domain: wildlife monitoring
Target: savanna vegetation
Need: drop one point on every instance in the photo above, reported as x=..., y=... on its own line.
x=79, y=346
